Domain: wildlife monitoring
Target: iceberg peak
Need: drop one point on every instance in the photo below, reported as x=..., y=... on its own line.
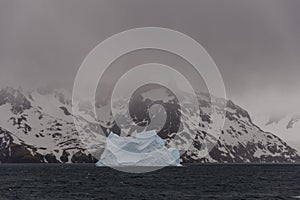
x=145, y=149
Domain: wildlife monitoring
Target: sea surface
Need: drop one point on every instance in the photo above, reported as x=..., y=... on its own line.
x=51, y=182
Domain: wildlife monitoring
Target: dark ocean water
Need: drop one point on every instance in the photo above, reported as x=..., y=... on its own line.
x=191, y=182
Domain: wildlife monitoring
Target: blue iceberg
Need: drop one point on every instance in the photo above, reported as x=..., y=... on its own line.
x=144, y=149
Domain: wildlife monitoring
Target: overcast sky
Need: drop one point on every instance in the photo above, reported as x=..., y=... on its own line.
x=255, y=44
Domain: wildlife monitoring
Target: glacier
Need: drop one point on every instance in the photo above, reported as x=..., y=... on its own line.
x=145, y=149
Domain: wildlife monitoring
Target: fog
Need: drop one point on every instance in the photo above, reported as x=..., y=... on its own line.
x=255, y=44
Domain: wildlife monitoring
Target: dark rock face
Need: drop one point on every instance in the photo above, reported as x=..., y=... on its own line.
x=66, y=111
x=50, y=158
x=239, y=141
x=16, y=153
x=17, y=100
x=80, y=157
x=64, y=157
x=139, y=110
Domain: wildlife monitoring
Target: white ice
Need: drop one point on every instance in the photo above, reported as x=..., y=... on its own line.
x=143, y=149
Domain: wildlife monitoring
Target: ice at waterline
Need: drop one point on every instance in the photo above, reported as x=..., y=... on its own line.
x=145, y=149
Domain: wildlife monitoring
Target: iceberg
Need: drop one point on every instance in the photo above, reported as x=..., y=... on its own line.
x=145, y=149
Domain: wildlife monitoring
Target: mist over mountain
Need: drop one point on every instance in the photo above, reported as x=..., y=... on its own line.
x=38, y=126
x=44, y=42
x=285, y=126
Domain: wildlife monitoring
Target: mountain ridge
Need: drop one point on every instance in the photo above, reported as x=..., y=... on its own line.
x=285, y=126
x=38, y=126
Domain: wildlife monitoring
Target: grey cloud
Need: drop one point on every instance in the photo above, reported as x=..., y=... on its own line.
x=256, y=43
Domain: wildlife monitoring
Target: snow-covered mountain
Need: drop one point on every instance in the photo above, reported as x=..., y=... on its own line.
x=286, y=127
x=38, y=126
x=240, y=140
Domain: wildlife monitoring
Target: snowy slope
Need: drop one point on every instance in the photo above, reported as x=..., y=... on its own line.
x=38, y=126
x=286, y=127
x=239, y=141
x=42, y=122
